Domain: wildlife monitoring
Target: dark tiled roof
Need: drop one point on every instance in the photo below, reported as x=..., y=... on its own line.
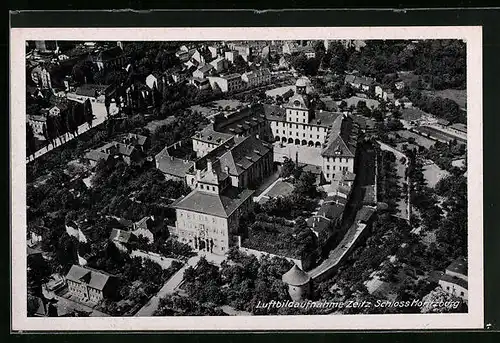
x=95, y=155
x=220, y=205
x=331, y=211
x=93, y=278
x=324, y=118
x=135, y=139
x=244, y=154
x=206, y=68
x=171, y=165
x=209, y=135
x=455, y=280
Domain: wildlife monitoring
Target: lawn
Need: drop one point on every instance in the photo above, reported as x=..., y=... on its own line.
x=433, y=174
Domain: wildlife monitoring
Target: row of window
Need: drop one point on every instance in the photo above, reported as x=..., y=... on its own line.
x=333, y=159
x=304, y=127
x=296, y=134
x=341, y=168
x=207, y=187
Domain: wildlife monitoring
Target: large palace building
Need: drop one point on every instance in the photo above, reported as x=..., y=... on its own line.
x=222, y=182
x=299, y=123
x=234, y=157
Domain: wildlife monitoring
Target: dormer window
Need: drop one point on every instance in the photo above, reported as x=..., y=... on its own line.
x=296, y=103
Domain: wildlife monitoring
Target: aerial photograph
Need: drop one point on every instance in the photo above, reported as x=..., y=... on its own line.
x=246, y=178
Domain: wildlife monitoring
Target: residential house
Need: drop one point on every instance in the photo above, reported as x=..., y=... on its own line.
x=145, y=228
x=204, y=71
x=128, y=152
x=404, y=102
x=173, y=168
x=220, y=64
x=455, y=280
x=231, y=55
x=38, y=123
x=139, y=141
x=94, y=92
x=120, y=238
x=359, y=82
x=257, y=78
x=41, y=77
x=201, y=84
x=114, y=57
x=227, y=83
x=90, y=285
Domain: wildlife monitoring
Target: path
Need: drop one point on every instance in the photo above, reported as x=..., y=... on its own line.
x=404, y=202
x=266, y=190
x=100, y=114
x=164, y=262
x=168, y=288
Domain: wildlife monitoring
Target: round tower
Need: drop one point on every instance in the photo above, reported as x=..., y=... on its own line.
x=301, y=86
x=298, y=283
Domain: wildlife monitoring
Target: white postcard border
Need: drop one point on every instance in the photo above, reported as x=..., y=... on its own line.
x=473, y=319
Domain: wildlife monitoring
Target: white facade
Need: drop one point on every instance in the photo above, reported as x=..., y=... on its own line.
x=333, y=165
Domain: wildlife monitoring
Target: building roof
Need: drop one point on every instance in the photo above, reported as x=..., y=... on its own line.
x=296, y=277
x=121, y=236
x=96, y=155
x=121, y=148
x=93, y=278
x=133, y=138
x=302, y=82
x=172, y=165
x=458, y=266
x=206, y=68
x=209, y=135
x=324, y=118
x=453, y=279
x=298, y=100
x=331, y=210
x=341, y=140
x=243, y=154
x=231, y=76
x=220, y=205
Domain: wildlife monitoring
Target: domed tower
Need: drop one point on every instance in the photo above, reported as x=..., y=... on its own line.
x=301, y=86
x=298, y=283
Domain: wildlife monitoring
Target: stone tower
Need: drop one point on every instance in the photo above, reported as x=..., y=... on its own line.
x=298, y=283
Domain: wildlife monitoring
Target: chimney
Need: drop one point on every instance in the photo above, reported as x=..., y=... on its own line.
x=198, y=175
x=226, y=169
x=209, y=165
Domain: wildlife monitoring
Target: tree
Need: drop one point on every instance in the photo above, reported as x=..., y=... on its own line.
x=287, y=168
x=88, y=113
x=306, y=185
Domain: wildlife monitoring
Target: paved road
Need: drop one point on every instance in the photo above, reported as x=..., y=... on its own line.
x=168, y=288
x=100, y=114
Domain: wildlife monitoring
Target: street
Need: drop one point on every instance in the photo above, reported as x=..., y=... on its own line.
x=168, y=288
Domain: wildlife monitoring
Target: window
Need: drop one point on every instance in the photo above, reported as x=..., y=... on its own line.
x=447, y=288
x=317, y=136
x=284, y=130
x=310, y=136
x=303, y=120
x=303, y=135
x=327, y=176
x=201, y=186
x=333, y=167
x=297, y=125
x=327, y=167
x=461, y=294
